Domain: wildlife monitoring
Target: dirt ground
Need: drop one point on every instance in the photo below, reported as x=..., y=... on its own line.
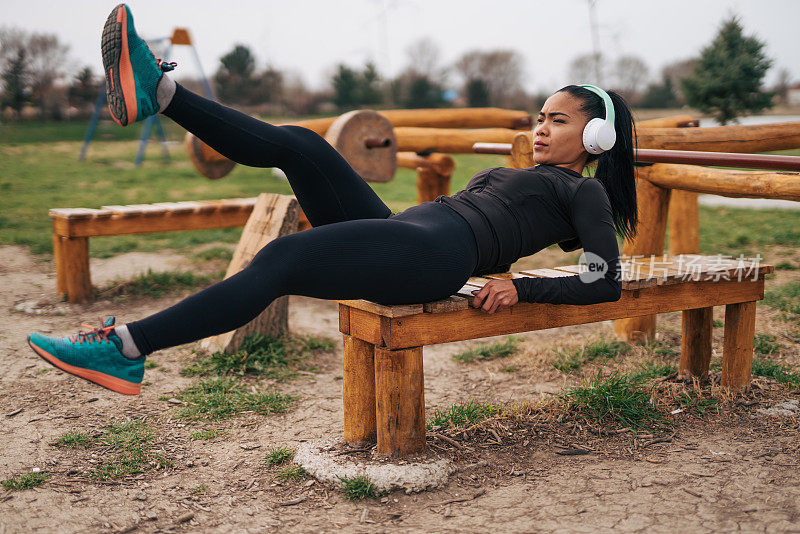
x=728, y=470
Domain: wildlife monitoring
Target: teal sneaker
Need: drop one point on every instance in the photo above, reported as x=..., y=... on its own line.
x=132, y=72
x=95, y=355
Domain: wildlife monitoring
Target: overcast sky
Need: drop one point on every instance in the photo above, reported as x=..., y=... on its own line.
x=311, y=36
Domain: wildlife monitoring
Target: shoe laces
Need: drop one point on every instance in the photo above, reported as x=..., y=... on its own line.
x=165, y=66
x=100, y=334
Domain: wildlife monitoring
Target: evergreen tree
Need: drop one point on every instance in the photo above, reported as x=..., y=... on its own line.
x=15, y=83
x=727, y=77
x=236, y=80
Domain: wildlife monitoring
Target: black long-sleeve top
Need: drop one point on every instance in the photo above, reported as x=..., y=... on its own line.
x=518, y=212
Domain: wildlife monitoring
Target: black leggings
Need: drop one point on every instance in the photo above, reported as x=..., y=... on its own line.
x=356, y=249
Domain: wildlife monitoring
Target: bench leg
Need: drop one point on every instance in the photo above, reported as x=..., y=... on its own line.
x=737, y=351
x=696, y=343
x=61, y=271
x=72, y=268
x=400, y=401
x=358, y=390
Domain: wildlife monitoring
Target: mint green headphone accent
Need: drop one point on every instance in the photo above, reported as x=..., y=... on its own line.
x=606, y=101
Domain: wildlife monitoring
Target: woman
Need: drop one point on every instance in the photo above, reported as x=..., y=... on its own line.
x=356, y=247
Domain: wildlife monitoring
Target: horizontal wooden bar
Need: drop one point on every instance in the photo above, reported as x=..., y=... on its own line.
x=431, y=329
x=714, y=159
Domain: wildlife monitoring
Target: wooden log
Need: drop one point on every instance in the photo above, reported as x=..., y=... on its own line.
x=653, y=203
x=439, y=118
x=452, y=141
x=723, y=182
x=522, y=151
x=697, y=327
x=442, y=163
x=74, y=252
x=673, y=121
x=427, y=184
x=739, y=138
x=684, y=223
x=358, y=390
x=400, y=401
x=737, y=349
x=273, y=216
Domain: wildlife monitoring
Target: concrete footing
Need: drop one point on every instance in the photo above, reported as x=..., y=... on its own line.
x=325, y=462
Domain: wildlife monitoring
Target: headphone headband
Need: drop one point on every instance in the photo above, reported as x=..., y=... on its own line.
x=606, y=101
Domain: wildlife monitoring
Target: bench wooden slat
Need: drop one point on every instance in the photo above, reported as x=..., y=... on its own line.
x=75, y=214
x=399, y=310
x=450, y=304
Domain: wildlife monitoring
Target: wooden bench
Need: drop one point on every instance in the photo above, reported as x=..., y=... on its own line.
x=383, y=373
x=72, y=228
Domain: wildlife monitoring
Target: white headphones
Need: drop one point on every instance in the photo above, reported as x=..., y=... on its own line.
x=599, y=135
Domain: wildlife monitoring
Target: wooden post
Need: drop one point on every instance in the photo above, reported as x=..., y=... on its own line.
x=737, y=350
x=427, y=184
x=58, y=259
x=73, y=265
x=400, y=401
x=653, y=203
x=358, y=390
x=684, y=223
x=696, y=343
x=273, y=216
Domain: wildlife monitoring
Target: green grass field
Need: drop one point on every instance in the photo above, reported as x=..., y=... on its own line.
x=39, y=170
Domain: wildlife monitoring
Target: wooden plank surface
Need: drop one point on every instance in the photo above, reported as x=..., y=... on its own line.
x=471, y=323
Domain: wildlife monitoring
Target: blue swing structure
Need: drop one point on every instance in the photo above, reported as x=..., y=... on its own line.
x=179, y=37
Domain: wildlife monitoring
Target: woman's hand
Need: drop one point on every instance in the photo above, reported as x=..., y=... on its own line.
x=495, y=296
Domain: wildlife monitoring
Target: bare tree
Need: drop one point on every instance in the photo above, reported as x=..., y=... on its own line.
x=631, y=73
x=582, y=68
x=676, y=71
x=499, y=70
x=781, y=87
x=423, y=58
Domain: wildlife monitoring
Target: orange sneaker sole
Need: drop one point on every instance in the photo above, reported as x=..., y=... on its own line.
x=107, y=381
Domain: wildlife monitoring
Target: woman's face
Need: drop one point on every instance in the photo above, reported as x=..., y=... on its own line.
x=558, y=135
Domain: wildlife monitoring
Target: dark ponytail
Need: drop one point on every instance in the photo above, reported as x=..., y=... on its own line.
x=615, y=168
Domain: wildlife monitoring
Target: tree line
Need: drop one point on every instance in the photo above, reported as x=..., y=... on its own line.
x=725, y=79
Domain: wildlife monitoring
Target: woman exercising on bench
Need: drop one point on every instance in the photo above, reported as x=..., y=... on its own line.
x=358, y=249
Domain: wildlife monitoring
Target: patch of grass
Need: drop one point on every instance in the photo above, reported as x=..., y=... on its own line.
x=215, y=253
x=74, y=439
x=150, y=364
x=358, y=488
x=786, y=298
x=278, y=358
x=616, y=399
x=568, y=361
x=733, y=231
x=509, y=369
x=198, y=490
x=500, y=349
x=207, y=434
x=279, y=455
x=689, y=401
x=26, y=481
x=223, y=397
x=291, y=472
x=717, y=323
x=782, y=372
x=463, y=413
x=786, y=265
x=156, y=284
x=765, y=344
x=131, y=443
x=43, y=371
x=652, y=370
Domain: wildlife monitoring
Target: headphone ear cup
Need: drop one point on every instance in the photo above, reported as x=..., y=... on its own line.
x=590, y=136
x=598, y=136
x=606, y=136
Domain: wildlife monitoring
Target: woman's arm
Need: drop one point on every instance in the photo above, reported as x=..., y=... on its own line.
x=594, y=224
